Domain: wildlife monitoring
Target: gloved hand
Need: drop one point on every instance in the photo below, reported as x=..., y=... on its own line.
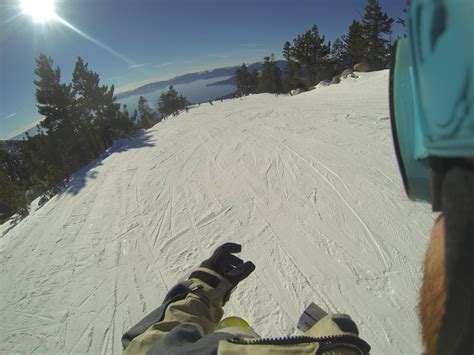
x=226, y=265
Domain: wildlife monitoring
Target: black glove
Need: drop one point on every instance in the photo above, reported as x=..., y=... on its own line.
x=229, y=266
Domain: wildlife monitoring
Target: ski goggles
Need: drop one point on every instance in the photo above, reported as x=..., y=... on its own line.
x=405, y=121
x=432, y=95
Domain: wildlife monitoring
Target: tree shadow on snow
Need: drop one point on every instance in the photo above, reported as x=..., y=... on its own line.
x=79, y=179
x=10, y=223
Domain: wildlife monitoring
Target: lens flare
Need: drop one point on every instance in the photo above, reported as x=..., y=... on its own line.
x=40, y=10
x=93, y=40
x=43, y=11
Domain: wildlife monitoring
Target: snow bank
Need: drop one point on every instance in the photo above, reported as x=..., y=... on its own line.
x=308, y=184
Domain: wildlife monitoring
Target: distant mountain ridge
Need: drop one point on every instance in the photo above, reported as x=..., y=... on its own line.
x=189, y=78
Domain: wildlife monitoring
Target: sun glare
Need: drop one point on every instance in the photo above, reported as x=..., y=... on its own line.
x=40, y=10
x=43, y=11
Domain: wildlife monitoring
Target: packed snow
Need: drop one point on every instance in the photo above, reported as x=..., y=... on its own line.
x=308, y=184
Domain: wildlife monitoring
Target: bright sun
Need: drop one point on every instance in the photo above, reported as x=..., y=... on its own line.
x=40, y=10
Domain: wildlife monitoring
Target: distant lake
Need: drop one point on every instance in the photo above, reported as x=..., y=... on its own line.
x=195, y=92
x=32, y=132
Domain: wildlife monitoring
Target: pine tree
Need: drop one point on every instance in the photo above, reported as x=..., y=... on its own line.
x=148, y=117
x=336, y=61
x=339, y=53
x=87, y=94
x=311, y=51
x=287, y=51
x=355, y=44
x=101, y=121
x=254, y=78
x=292, y=70
x=243, y=80
x=169, y=102
x=13, y=184
x=40, y=158
x=125, y=123
x=403, y=21
x=12, y=197
x=81, y=120
x=54, y=99
x=376, y=24
x=270, y=79
x=56, y=104
x=237, y=76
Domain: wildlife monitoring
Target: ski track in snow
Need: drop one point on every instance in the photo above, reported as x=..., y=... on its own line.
x=308, y=184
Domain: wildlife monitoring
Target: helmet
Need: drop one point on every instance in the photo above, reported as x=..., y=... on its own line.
x=432, y=92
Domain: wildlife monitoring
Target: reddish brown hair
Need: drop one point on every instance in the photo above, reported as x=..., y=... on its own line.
x=433, y=289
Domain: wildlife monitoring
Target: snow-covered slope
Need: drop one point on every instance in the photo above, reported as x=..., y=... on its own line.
x=308, y=184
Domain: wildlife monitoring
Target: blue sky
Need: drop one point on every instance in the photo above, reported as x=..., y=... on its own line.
x=154, y=39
